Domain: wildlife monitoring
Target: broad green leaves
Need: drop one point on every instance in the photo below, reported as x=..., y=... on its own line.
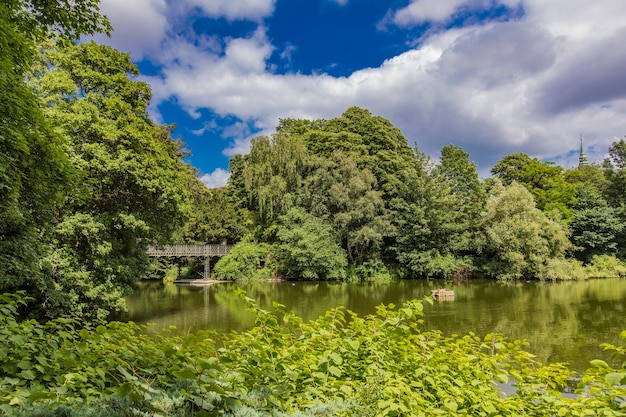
x=341, y=364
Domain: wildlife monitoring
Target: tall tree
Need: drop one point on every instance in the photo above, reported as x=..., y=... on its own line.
x=545, y=180
x=132, y=181
x=34, y=171
x=596, y=226
x=338, y=191
x=467, y=196
x=272, y=173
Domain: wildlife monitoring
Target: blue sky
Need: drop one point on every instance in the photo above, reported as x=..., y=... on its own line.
x=492, y=76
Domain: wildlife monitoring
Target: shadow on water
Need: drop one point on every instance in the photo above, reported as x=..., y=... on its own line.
x=562, y=322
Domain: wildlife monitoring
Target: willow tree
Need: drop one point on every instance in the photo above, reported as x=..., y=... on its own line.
x=272, y=172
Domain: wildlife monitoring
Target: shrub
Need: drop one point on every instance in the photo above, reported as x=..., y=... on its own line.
x=606, y=266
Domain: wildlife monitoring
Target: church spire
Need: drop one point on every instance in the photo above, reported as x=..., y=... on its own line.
x=582, y=159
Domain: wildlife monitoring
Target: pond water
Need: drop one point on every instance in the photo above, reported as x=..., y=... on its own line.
x=562, y=322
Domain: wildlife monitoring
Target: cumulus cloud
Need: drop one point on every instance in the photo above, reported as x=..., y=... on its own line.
x=528, y=85
x=139, y=25
x=422, y=10
x=217, y=178
x=254, y=10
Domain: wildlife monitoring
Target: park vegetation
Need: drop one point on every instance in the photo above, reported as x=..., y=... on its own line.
x=88, y=180
x=340, y=364
x=347, y=198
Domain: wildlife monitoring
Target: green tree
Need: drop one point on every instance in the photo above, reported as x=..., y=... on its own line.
x=516, y=239
x=338, y=191
x=545, y=180
x=272, y=173
x=131, y=179
x=430, y=234
x=467, y=199
x=596, y=226
x=215, y=217
x=34, y=171
x=309, y=247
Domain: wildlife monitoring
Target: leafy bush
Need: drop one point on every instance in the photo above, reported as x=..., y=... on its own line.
x=246, y=261
x=338, y=365
x=563, y=269
x=606, y=266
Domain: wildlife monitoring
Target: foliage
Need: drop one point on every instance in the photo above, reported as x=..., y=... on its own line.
x=545, y=180
x=214, y=217
x=516, y=238
x=309, y=248
x=272, y=173
x=606, y=266
x=248, y=260
x=131, y=180
x=563, y=269
x=595, y=227
x=34, y=171
x=340, y=364
x=347, y=197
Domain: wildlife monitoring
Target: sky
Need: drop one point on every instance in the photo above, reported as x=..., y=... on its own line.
x=494, y=77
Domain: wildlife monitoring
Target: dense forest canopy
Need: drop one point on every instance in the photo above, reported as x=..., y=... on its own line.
x=393, y=211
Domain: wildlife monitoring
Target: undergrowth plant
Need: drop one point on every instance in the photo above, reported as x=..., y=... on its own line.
x=341, y=364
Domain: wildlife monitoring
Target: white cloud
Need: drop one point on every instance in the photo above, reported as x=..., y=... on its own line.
x=139, y=25
x=422, y=10
x=217, y=178
x=531, y=85
x=254, y=10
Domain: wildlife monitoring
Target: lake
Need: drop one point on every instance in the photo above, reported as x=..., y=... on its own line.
x=562, y=322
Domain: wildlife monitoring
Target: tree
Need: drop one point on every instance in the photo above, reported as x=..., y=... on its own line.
x=429, y=236
x=544, y=180
x=596, y=226
x=516, y=239
x=467, y=196
x=346, y=196
x=309, y=247
x=215, y=217
x=34, y=170
x=272, y=173
x=132, y=181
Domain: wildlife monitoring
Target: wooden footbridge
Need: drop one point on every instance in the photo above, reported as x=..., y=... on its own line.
x=190, y=251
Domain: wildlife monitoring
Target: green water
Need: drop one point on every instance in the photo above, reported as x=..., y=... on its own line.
x=563, y=322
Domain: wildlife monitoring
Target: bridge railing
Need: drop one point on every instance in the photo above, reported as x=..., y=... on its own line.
x=188, y=250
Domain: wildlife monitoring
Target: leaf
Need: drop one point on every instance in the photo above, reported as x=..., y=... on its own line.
x=187, y=373
x=333, y=370
x=451, y=405
x=599, y=363
x=27, y=374
x=615, y=378
x=41, y=395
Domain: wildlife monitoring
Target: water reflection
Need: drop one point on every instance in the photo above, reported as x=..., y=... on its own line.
x=563, y=322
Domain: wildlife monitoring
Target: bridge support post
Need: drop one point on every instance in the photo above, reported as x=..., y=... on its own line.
x=207, y=267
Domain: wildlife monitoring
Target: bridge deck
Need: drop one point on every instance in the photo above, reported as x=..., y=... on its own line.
x=188, y=250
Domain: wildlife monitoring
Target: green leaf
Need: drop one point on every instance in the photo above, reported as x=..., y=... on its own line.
x=27, y=374
x=615, y=378
x=41, y=395
x=333, y=370
x=188, y=373
x=599, y=363
x=451, y=405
